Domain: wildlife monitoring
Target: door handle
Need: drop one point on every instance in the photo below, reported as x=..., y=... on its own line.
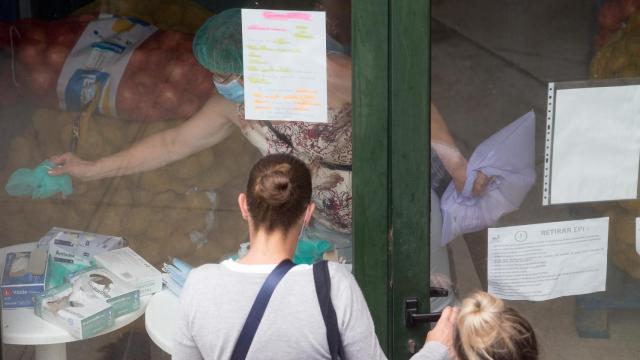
x=411, y=315
x=438, y=292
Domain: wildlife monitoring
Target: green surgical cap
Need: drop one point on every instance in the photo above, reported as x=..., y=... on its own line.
x=37, y=183
x=218, y=43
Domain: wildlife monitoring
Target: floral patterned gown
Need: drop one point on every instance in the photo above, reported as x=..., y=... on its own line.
x=324, y=147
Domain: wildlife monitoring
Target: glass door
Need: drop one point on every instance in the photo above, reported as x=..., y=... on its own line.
x=492, y=63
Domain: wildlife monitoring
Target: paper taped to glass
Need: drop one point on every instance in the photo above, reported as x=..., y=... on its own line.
x=545, y=261
x=592, y=143
x=284, y=65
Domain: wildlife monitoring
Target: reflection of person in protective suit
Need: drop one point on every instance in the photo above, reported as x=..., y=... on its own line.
x=326, y=148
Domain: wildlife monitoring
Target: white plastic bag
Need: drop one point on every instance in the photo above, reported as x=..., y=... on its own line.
x=508, y=158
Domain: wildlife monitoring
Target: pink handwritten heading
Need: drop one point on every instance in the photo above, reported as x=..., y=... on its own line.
x=270, y=15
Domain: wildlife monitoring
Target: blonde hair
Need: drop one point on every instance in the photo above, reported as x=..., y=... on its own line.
x=488, y=330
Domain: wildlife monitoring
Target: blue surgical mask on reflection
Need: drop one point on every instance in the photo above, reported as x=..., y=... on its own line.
x=232, y=91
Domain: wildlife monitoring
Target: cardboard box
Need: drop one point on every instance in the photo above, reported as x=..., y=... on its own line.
x=71, y=308
x=130, y=267
x=23, y=278
x=104, y=285
x=77, y=247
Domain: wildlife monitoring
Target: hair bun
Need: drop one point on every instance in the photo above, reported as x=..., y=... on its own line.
x=275, y=186
x=482, y=303
x=487, y=329
x=278, y=192
x=480, y=315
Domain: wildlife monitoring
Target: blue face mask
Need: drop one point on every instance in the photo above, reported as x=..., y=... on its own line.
x=232, y=91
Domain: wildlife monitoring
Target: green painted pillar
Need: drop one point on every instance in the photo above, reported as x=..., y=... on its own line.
x=409, y=154
x=391, y=163
x=371, y=189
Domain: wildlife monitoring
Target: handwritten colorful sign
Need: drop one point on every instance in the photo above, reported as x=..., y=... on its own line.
x=285, y=65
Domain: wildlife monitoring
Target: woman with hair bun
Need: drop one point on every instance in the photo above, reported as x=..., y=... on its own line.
x=488, y=330
x=219, y=302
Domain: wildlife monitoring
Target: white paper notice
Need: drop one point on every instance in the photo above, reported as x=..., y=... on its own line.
x=596, y=144
x=546, y=261
x=285, y=65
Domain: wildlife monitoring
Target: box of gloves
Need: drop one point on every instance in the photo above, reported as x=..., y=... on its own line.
x=131, y=268
x=23, y=278
x=77, y=247
x=74, y=309
x=104, y=285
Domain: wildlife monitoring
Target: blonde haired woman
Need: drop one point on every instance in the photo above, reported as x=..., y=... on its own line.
x=486, y=329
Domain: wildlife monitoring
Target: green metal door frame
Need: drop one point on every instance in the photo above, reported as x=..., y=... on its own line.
x=409, y=116
x=391, y=152
x=371, y=182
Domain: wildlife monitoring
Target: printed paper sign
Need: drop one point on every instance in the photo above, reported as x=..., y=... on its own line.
x=545, y=261
x=285, y=65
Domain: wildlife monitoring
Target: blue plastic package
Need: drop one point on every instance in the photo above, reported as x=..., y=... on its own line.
x=178, y=272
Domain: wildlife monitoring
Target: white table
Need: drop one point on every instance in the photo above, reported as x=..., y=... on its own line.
x=22, y=326
x=160, y=319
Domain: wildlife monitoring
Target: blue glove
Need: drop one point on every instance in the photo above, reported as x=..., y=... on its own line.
x=37, y=183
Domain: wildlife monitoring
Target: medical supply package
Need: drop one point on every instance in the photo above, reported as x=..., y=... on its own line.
x=104, y=285
x=175, y=275
x=77, y=247
x=23, y=278
x=75, y=310
x=130, y=267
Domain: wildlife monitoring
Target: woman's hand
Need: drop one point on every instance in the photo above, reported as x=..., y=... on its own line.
x=444, y=329
x=70, y=164
x=480, y=184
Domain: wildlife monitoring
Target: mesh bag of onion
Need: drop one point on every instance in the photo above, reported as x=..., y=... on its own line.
x=148, y=77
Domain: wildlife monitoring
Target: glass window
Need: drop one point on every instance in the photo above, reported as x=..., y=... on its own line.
x=162, y=156
x=491, y=63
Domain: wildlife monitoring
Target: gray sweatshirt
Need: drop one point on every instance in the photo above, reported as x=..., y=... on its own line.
x=216, y=300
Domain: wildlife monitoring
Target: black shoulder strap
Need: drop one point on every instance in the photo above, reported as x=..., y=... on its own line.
x=323, y=290
x=257, y=310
